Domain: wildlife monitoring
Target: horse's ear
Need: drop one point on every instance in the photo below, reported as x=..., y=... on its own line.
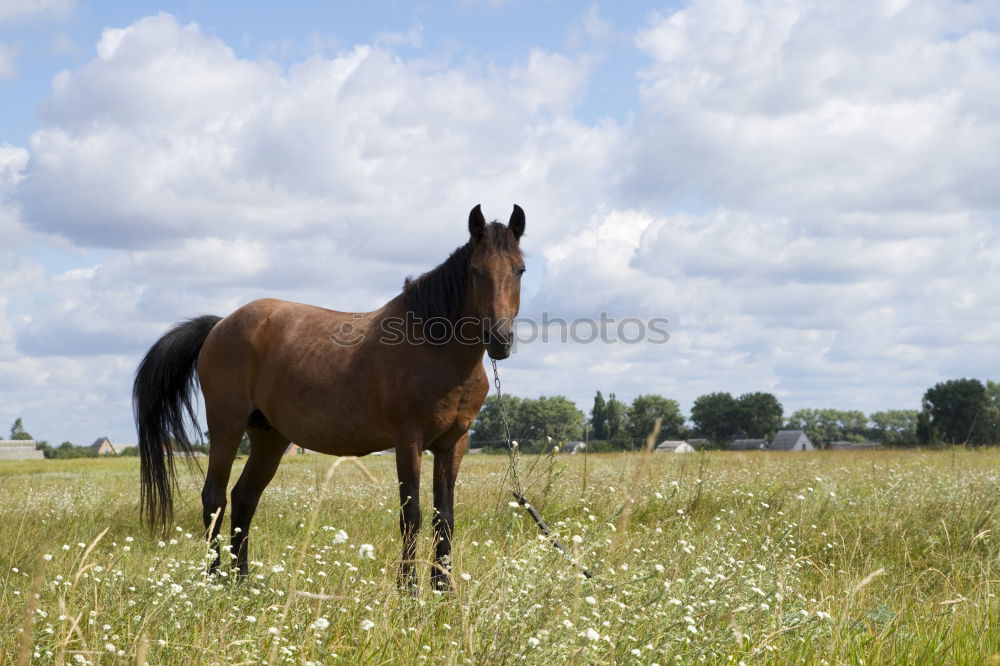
x=516, y=223
x=477, y=223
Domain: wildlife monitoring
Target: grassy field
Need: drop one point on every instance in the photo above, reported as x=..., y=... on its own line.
x=829, y=558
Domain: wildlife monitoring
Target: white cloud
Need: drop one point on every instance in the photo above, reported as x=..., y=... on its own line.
x=12, y=10
x=759, y=303
x=12, y=163
x=820, y=110
x=804, y=192
x=220, y=180
x=168, y=135
x=413, y=37
x=8, y=67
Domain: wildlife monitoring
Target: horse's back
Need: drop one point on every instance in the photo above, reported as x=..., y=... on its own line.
x=291, y=362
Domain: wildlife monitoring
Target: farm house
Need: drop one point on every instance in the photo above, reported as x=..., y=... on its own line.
x=791, y=440
x=19, y=449
x=102, y=446
x=674, y=446
x=748, y=445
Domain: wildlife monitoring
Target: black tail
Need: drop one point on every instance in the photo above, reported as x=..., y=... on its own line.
x=161, y=397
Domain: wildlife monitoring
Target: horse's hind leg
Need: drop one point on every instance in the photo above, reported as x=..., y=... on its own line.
x=267, y=446
x=225, y=435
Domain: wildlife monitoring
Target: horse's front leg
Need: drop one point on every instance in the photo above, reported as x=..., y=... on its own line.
x=408, y=454
x=446, y=463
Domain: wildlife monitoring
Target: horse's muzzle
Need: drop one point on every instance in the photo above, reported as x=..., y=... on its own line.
x=498, y=342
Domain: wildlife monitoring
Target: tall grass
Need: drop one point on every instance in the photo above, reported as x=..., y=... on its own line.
x=837, y=557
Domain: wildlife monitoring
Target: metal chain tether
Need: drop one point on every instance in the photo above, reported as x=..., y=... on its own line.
x=512, y=451
x=511, y=447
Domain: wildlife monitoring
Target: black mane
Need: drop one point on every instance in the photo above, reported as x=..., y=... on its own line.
x=439, y=292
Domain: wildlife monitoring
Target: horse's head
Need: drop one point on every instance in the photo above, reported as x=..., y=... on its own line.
x=494, y=287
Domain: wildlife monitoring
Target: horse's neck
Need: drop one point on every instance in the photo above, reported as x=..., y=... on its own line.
x=463, y=357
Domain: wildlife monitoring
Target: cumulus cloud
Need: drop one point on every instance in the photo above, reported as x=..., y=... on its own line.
x=820, y=110
x=216, y=180
x=8, y=67
x=12, y=10
x=168, y=135
x=803, y=191
x=761, y=303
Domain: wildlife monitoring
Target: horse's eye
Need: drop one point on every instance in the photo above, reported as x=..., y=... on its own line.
x=520, y=271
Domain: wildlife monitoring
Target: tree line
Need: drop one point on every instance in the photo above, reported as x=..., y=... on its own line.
x=957, y=411
x=64, y=450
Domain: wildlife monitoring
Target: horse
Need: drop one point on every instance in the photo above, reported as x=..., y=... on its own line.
x=407, y=376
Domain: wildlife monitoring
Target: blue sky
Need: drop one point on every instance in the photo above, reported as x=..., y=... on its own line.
x=800, y=187
x=490, y=32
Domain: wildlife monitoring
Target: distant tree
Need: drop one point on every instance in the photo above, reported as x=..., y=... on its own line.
x=823, y=426
x=644, y=411
x=17, y=430
x=760, y=415
x=531, y=420
x=70, y=450
x=599, y=417
x=550, y=416
x=617, y=413
x=925, y=434
x=990, y=419
x=854, y=424
x=488, y=426
x=957, y=410
x=717, y=416
x=895, y=427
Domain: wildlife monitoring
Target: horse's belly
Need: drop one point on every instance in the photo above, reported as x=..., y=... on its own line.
x=337, y=433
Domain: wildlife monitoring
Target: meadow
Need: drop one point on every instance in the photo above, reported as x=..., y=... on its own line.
x=875, y=557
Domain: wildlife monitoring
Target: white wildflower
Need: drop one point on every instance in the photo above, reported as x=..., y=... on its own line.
x=367, y=625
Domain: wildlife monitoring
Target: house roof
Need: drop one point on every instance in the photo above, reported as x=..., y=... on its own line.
x=785, y=439
x=747, y=444
x=99, y=442
x=669, y=444
x=853, y=445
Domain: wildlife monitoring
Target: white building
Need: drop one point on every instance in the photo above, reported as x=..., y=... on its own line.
x=19, y=449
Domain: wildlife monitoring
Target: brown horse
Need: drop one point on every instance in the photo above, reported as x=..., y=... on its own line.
x=408, y=375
